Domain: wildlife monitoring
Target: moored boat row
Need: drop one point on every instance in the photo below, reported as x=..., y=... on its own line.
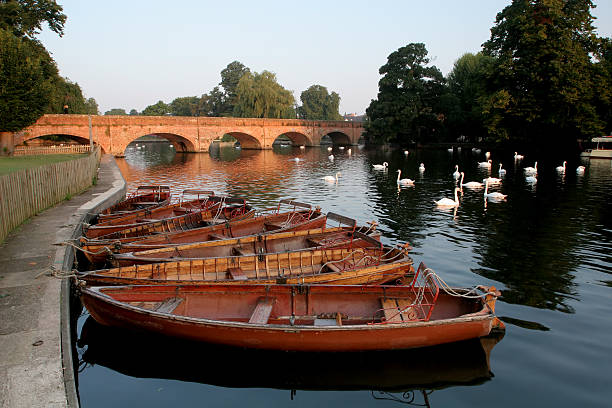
x=288, y=280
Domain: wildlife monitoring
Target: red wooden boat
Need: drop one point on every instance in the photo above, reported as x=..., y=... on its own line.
x=276, y=242
x=365, y=261
x=301, y=217
x=145, y=197
x=218, y=210
x=299, y=317
x=198, y=200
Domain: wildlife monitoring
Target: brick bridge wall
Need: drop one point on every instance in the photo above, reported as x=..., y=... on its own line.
x=190, y=134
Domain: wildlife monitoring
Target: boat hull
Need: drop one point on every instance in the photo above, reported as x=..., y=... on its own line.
x=193, y=320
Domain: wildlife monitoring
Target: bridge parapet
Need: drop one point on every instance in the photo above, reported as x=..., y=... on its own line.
x=189, y=133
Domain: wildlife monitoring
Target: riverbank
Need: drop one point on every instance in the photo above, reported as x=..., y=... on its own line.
x=35, y=345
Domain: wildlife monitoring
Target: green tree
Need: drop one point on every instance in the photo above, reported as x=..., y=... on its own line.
x=24, y=83
x=318, y=104
x=261, y=96
x=159, y=109
x=466, y=86
x=407, y=107
x=91, y=107
x=230, y=76
x=541, y=85
x=65, y=92
x=185, y=106
x=116, y=111
x=25, y=17
x=134, y=112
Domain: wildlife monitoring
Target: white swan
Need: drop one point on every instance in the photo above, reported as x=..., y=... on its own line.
x=501, y=172
x=456, y=174
x=380, y=166
x=580, y=170
x=518, y=156
x=562, y=168
x=450, y=150
x=403, y=182
x=349, y=151
x=531, y=170
x=331, y=179
x=487, y=155
x=422, y=167
x=329, y=149
x=302, y=147
x=447, y=202
x=485, y=164
x=406, y=152
x=531, y=179
x=492, y=180
x=296, y=159
x=493, y=196
x=474, y=185
x=331, y=157
x=341, y=148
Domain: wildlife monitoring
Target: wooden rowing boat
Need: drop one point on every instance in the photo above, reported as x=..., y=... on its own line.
x=299, y=317
x=145, y=197
x=203, y=200
x=301, y=217
x=223, y=209
x=459, y=363
x=277, y=242
x=366, y=261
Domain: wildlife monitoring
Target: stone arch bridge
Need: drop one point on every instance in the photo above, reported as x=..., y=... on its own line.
x=187, y=133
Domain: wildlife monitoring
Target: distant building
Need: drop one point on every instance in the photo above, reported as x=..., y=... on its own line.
x=353, y=117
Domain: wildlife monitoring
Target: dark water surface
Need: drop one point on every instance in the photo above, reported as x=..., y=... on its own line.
x=548, y=248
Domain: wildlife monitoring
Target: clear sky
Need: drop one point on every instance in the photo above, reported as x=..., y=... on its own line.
x=131, y=54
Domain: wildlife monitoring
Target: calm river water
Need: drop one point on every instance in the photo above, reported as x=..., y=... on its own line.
x=548, y=248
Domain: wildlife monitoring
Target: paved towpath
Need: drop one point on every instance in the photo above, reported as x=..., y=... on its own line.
x=33, y=306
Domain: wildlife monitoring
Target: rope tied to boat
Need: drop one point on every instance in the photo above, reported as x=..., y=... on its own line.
x=105, y=249
x=469, y=294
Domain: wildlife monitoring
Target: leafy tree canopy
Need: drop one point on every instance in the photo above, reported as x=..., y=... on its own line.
x=159, y=109
x=133, y=112
x=542, y=83
x=185, y=106
x=116, y=111
x=407, y=107
x=230, y=76
x=24, y=85
x=261, y=96
x=25, y=17
x=318, y=104
x=64, y=92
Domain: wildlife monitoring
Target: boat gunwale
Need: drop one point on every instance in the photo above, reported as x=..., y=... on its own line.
x=483, y=314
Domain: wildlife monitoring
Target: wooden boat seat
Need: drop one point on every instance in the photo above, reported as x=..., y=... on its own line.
x=262, y=310
x=398, y=310
x=236, y=273
x=169, y=305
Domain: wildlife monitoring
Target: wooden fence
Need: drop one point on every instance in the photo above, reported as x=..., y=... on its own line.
x=39, y=150
x=28, y=192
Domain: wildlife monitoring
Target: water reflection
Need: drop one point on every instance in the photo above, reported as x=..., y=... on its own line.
x=391, y=374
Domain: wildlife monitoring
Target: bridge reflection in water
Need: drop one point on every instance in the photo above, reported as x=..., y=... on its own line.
x=401, y=375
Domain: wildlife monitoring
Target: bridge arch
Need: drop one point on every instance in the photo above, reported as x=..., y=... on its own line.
x=297, y=138
x=339, y=138
x=180, y=143
x=246, y=141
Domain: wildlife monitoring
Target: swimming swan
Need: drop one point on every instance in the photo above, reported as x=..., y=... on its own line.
x=562, y=168
x=531, y=170
x=580, y=169
x=456, y=174
x=493, y=196
x=331, y=179
x=485, y=164
x=518, y=156
x=471, y=184
x=447, y=202
x=403, y=182
x=502, y=172
x=422, y=167
x=380, y=166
